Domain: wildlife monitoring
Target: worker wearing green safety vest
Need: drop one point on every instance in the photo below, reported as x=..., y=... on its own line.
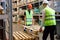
x=29, y=15
x=49, y=21
x=49, y=17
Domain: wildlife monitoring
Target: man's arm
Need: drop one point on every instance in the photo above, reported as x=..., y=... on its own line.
x=42, y=24
x=43, y=17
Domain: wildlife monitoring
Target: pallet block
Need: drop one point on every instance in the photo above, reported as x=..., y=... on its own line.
x=22, y=36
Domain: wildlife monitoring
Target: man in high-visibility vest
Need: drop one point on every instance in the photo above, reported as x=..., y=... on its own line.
x=28, y=15
x=48, y=20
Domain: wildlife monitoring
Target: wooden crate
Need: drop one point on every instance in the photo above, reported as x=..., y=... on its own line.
x=22, y=36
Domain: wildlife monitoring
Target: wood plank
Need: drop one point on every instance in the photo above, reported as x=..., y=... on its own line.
x=27, y=35
x=21, y=36
x=14, y=37
x=24, y=35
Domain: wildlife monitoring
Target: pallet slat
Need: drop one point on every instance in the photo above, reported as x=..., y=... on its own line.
x=24, y=35
x=19, y=38
x=29, y=36
x=14, y=37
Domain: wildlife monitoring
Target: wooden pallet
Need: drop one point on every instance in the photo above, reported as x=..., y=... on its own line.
x=32, y=29
x=22, y=36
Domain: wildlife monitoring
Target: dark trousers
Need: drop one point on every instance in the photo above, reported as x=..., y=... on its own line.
x=49, y=30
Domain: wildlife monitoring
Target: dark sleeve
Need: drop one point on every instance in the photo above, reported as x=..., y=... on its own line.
x=24, y=13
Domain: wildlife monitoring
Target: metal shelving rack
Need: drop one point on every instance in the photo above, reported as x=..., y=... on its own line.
x=7, y=17
x=57, y=8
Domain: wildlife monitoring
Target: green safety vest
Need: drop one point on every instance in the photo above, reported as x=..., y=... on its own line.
x=29, y=17
x=49, y=17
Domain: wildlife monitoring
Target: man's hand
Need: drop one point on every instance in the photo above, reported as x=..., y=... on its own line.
x=41, y=29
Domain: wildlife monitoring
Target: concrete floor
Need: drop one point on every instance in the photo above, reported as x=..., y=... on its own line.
x=19, y=28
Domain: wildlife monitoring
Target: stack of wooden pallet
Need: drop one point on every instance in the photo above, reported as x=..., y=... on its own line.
x=23, y=36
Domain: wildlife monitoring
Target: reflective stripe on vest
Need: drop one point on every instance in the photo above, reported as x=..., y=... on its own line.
x=49, y=17
x=29, y=20
x=29, y=17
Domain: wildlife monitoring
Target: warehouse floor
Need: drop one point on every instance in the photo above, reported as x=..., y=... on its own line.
x=19, y=28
